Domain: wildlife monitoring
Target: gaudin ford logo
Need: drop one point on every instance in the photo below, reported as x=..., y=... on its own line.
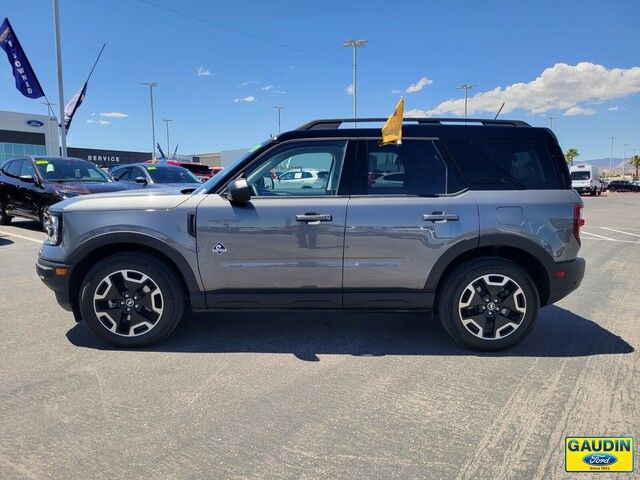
x=34, y=123
x=598, y=454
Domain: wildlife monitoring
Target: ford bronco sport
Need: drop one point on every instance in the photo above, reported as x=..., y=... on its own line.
x=475, y=221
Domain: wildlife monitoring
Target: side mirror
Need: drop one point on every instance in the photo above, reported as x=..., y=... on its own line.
x=27, y=178
x=141, y=180
x=239, y=191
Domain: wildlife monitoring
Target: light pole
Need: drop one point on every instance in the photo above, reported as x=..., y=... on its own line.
x=279, y=109
x=611, y=156
x=355, y=45
x=50, y=116
x=624, y=160
x=551, y=119
x=166, y=121
x=56, y=24
x=466, y=87
x=153, y=126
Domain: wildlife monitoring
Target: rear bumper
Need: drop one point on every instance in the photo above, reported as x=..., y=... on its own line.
x=51, y=275
x=561, y=286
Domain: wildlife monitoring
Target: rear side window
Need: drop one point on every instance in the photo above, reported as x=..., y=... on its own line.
x=13, y=168
x=415, y=167
x=506, y=165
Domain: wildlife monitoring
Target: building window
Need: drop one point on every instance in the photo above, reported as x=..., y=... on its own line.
x=10, y=150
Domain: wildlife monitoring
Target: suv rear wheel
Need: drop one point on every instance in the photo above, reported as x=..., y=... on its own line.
x=4, y=218
x=131, y=300
x=488, y=304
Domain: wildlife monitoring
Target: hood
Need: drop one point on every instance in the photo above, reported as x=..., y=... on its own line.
x=83, y=188
x=139, y=199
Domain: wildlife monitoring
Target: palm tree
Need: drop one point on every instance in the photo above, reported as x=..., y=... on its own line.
x=635, y=162
x=570, y=154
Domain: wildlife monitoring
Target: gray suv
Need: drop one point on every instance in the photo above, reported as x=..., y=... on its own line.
x=474, y=221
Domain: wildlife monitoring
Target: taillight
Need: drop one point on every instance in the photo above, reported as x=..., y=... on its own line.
x=578, y=221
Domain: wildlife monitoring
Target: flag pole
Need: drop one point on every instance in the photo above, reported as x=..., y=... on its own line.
x=95, y=63
x=63, y=135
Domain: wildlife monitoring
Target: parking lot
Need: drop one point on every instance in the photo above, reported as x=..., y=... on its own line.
x=320, y=395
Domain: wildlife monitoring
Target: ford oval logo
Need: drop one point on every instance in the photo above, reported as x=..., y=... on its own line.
x=599, y=459
x=34, y=123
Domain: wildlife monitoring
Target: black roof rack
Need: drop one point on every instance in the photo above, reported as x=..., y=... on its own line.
x=333, y=123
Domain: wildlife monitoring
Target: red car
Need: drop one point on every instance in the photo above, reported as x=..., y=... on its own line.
x=198, y=169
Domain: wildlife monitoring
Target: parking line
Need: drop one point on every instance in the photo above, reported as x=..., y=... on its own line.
x=21, y=236
x=600, y=237
x=620, y=231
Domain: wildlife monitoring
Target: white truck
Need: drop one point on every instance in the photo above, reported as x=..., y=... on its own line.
x=586, y=179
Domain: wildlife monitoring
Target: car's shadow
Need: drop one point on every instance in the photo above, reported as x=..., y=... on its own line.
x=558, y=333
x=4, y=240
x=27, y=224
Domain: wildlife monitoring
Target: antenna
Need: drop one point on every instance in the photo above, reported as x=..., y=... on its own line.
x=501, y=107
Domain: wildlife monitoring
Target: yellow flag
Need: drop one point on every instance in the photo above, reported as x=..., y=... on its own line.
x=392, y=129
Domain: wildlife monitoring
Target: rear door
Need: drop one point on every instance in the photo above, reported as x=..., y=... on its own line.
x=284, y=247
x=11, y=185
x=30, y=193
x=408, y=206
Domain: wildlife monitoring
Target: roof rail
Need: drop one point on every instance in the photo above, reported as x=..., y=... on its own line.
x=333, y=123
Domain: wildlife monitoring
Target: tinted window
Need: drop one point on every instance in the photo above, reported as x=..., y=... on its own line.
x=14, y=168
x=505, y=165
x=580, y=175
x=298, y=161
x=171, y=174
x=122, y=174
x=69, y=170
x=27, y=168
x=415, y=167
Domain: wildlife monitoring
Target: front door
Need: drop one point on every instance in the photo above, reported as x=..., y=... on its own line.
x=284, y=247
x=408, y=207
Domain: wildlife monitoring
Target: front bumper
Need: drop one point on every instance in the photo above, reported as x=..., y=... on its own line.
x=51, y=274
x=561, y=286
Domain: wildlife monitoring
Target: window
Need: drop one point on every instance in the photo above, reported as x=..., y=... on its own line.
x=14, y=168
x=296, y=168
x=505, y=165
x=413, y=168
x=69, y=170
x=28, y=169
x=169, y=174
x=581, y=175
x=122, y=174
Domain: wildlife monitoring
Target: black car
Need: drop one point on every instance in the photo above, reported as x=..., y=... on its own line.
x=30, y=185
x=623, y=186
x=155, y=175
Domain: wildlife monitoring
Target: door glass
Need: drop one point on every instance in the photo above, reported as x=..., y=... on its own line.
x=27, y=169
x=124, y=174
x=413, y=168
x=14, y=168
x=301, y=169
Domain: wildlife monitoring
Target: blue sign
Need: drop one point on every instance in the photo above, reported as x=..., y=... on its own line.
x=34, y=123
x=26, y=80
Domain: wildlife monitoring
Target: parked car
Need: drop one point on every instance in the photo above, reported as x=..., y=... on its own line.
x=203, y=172
x=623, y=186
x=484, y=230
x=30, y=185
x=155, y=175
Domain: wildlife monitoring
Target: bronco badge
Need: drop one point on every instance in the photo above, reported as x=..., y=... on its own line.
x=219, y=248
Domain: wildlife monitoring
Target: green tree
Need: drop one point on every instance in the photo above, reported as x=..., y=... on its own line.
x=635, y=162
x=570, y=154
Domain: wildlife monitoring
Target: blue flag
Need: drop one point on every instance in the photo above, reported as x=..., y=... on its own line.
x=26, y=80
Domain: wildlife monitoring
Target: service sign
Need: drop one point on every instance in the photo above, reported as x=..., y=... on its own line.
x=598, y=454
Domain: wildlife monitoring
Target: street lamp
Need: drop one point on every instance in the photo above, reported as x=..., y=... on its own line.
x=466, y=87
x=611, y=156
x=355, y=44
x=624, y=161
x=279, y=109
x=153, y=127
x=551, y=119
x=166, y=121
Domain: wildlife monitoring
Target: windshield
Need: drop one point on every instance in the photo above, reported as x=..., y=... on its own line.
x=171, y=174
x=221, y=177
x=70, y=170
x=196, y=168
x=581, y=175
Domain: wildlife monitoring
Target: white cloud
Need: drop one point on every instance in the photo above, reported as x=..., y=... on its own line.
x=90, y=121
x=559, y=87
x=397, y=92
x=349, y=89
x=419, y=85
x=204, y=72
x=103, y=122
x=615, y=108
x=248, y=99
x=246, y=83
x=113, y=114
x=266, y=88
x=93, y=114
x=578, y=111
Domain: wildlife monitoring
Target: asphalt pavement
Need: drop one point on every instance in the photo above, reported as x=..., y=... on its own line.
x=320, y=394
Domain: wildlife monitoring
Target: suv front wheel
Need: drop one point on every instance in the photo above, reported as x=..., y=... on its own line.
x=131, y=300
x=488, y=304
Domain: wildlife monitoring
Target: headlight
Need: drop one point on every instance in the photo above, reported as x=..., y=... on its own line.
x=64, y=194
x=53, y=225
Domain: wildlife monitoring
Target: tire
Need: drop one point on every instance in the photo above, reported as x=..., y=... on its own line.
x=121, y=279
x=593, y=193
x=4, y=218
x=513, y=316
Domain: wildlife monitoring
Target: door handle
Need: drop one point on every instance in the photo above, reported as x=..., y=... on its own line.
x=440, y=217
x=314, y=217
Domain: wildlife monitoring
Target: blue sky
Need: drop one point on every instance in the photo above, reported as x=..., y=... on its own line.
x=488, y=43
